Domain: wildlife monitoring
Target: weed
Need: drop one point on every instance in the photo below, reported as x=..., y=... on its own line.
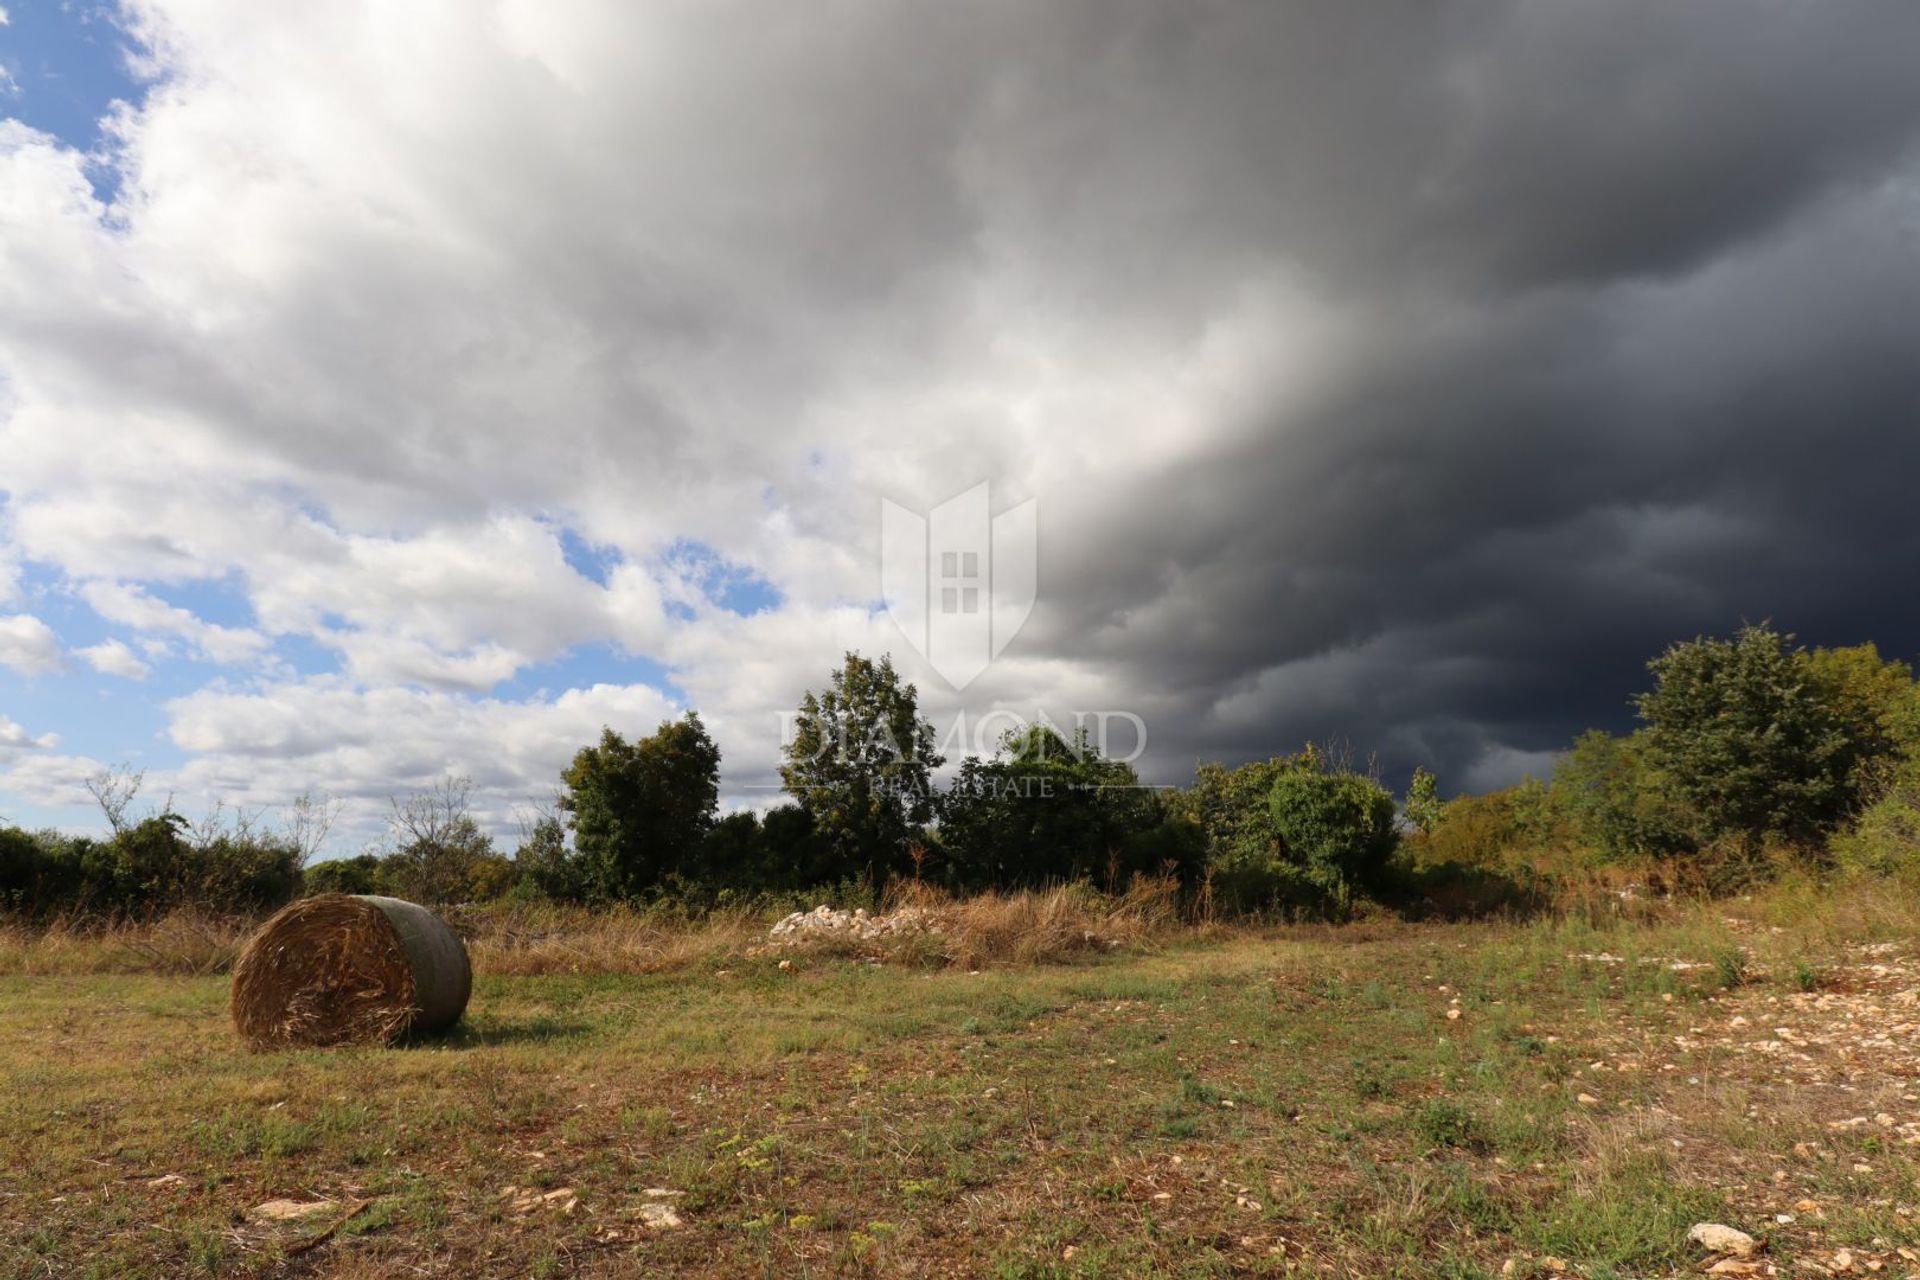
x=1446, y=1123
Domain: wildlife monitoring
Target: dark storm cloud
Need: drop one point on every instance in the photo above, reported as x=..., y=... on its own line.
x=1637, y=296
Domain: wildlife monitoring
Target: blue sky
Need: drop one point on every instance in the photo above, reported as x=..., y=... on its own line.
x=66, y=63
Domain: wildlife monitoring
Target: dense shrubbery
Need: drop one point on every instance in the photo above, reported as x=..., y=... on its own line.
x=147, y=868
x=1293, y=833
x=1049, y=811
x=1754, y=751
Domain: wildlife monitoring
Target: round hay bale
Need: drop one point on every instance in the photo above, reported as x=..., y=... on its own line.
x=344, y=969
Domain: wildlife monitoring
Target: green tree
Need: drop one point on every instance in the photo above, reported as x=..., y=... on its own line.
x=1335, y=829
x=1048, y=810
x=1749, y=737
x=860, y=761
x=1422, y=805
x=1231, y=807
x=640, y=811
x=546, y=865
x=1879, y=703
x=1618, y=803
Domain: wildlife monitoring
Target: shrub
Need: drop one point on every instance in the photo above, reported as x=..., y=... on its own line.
x=1494, y=831
x=1336, y=829
x=1619, y=804
x=1886, y=838
x=1446, y=1123
x=359, y=874
x=1230, y=808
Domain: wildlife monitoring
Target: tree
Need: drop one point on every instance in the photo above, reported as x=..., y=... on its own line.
x=1618, y=802
x=545, y=864
x=640, y=811
x=440, y=844
x=113, y=789
x=1231, y=807
x=1423, y=805
x=1878, y=701
x=1048, y=810
x=1334, y=829
x=309, y=820
x=860, y=761
x=1750, y=738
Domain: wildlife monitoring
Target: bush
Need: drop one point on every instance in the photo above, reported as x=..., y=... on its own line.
x=344, y=875
x=147, y=869
x=1886, y=838
x=1618, y=803
x=1230, y=809
x=1497, y=831
x=1335, y=829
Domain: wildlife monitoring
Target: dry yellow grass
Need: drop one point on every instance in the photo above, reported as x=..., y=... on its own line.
x=555, y=939
x=1025, y=927
x=188, y=943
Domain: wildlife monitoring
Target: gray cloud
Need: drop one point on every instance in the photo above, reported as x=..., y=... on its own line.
x=1407, y=373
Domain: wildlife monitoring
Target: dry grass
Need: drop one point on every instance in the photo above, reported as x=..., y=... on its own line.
x=186, y=943
x=1021, y=928
x=1790, y=918
x=1047, y=925
x=551, y=939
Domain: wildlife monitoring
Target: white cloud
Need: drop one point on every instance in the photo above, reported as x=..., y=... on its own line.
x=114, y=658
x=131, y=606
x=29, y=646
x=55, y=781
x=4, y=19
x=15, y=740
x=267, y=746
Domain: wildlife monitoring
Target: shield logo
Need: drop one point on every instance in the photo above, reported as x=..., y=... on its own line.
x=959, y=582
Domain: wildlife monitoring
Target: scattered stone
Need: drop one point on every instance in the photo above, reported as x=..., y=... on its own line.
x=288, y=1210
x=659, y=1216
x=1587, y=1100
x=166, y=1180
x=1722, y=1239
x=525, y=1200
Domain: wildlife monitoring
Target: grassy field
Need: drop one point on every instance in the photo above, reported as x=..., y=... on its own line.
x=1373, y=1100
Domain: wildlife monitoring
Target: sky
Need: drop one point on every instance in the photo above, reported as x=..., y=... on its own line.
x=389, y=392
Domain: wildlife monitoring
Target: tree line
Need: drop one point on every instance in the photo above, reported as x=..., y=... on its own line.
x=1750, y=749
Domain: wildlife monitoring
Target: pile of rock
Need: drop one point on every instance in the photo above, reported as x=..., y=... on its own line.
x=823, y=924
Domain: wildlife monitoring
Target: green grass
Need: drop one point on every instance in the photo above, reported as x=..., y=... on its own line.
x=1256, y=1105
